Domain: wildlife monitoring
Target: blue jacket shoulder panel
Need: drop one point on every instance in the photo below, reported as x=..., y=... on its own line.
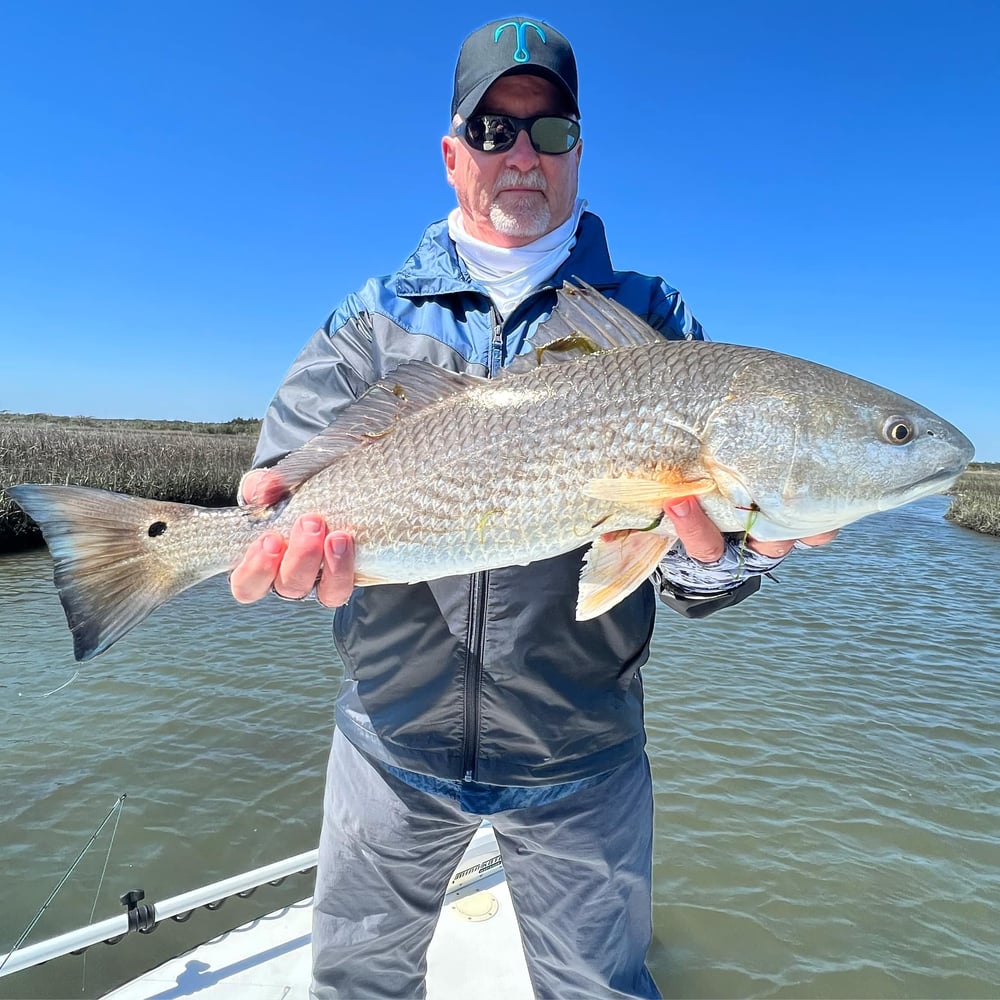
x=432, y=296
x=409, y=301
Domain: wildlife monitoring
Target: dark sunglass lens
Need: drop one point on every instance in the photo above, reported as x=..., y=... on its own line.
x=554, y=135
x=490, y=133
x=474, y=132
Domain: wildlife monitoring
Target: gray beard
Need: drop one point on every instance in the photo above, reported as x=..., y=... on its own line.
x=525, y=220
x=528, y=217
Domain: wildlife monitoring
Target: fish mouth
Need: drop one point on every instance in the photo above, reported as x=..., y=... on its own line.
x=936, y=482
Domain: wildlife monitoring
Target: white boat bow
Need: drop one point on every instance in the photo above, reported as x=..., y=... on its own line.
x=476, y=946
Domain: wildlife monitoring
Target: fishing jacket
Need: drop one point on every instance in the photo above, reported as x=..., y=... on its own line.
x=489, y=677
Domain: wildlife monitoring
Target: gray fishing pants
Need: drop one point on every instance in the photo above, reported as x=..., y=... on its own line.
x=579, y=872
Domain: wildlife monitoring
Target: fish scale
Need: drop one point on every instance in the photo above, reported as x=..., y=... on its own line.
x=582, y=441
x=468, y=501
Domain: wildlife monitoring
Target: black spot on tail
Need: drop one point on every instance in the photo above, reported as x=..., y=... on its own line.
x=157, y=528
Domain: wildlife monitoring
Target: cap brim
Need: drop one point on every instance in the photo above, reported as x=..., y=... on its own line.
x=472, y=100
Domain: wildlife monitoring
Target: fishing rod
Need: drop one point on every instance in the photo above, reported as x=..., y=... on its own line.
x=117, y=807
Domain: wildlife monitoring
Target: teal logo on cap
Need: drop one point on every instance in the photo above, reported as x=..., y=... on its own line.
x=520, y=30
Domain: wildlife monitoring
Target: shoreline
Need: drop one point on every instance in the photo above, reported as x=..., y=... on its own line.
x=196, y=463
x=975, y=499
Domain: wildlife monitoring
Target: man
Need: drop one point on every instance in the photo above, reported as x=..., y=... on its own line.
x=483, y=695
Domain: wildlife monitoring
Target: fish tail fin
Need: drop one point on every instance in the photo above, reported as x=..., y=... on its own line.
x=112, y=567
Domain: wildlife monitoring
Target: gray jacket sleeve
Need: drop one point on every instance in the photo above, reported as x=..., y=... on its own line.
x=331, y=371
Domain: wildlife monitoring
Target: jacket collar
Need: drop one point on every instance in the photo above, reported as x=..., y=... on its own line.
x=434, y=267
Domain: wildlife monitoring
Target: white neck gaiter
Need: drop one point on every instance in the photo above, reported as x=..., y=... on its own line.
x=510, y=273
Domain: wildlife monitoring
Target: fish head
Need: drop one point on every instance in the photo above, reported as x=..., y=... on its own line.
x=799, y=449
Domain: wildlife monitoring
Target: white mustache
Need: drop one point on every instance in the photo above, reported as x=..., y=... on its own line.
x=534, y=179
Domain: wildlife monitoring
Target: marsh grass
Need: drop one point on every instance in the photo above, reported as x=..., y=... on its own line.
x=976, y=499
x=141, y=458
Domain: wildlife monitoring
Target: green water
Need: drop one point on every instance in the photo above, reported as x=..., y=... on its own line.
x=826, y=761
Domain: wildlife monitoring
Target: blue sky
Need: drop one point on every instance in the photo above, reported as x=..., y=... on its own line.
x=188, y=189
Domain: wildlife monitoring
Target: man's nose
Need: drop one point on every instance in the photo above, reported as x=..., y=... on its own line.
x=522, y=154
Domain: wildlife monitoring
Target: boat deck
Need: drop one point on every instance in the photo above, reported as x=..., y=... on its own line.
x=476, y=950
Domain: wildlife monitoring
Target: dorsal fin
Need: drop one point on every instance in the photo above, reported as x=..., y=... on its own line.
x=408, y=389
x=583, y=322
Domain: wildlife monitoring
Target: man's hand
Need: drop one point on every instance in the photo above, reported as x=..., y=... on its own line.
x=312, y=557
x=704, y=542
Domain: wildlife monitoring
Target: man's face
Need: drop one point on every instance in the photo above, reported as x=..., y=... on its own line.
x=510, y=199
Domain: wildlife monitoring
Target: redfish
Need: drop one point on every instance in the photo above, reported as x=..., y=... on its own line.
x=437, y=473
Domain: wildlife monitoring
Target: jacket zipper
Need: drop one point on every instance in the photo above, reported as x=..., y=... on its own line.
x=474, y=672
x=477, y=614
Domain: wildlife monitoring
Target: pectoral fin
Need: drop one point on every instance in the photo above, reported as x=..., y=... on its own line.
x=647, y=495
x=613, y=568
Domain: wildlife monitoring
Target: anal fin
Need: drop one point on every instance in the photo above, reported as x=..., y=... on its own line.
x=615, y=566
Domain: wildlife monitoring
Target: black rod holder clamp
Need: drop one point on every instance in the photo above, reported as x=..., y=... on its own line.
x=141, y=916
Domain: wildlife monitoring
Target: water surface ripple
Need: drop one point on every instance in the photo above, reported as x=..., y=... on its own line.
x=825, y=758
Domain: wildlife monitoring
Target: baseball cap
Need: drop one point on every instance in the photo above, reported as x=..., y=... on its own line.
x=515, y=45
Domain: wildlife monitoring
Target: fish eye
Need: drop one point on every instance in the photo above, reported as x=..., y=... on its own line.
x=898, y=430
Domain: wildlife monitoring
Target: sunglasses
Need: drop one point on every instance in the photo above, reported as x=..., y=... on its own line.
x=550, y=134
